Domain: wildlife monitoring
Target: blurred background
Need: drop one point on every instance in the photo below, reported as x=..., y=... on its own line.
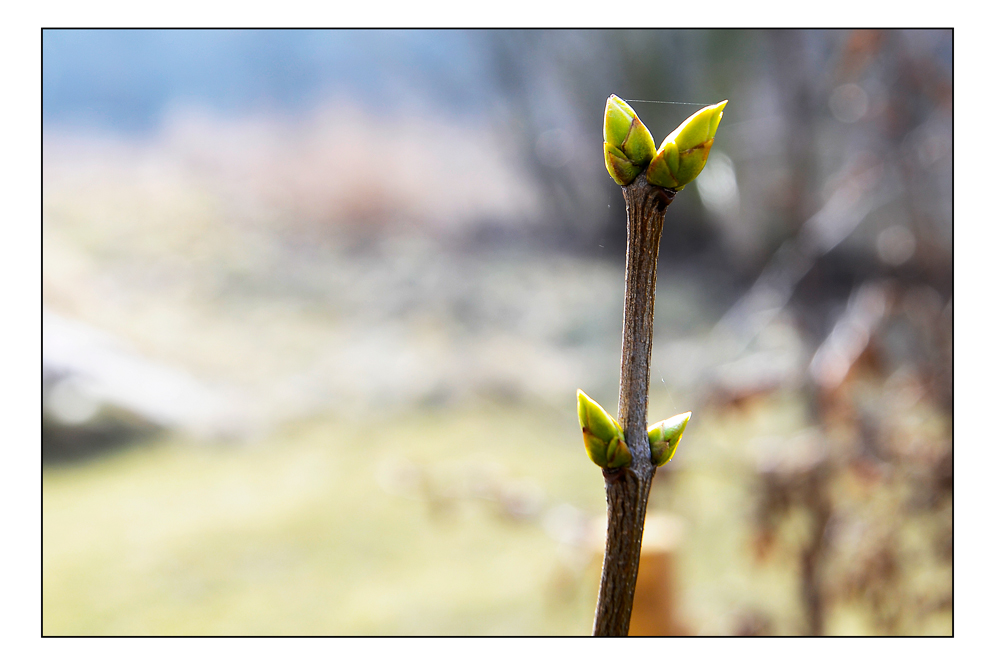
x=316, y=305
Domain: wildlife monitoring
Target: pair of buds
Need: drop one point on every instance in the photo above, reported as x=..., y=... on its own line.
x=629, y=147
x=605, y=442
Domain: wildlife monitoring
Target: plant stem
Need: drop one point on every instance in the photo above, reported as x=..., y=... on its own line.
x=628, y=489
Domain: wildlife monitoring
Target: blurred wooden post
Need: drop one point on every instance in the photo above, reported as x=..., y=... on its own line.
x=654, y=608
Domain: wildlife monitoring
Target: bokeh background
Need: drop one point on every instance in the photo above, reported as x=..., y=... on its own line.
x=317, y=303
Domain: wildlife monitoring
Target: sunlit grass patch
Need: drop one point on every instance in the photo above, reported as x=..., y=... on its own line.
x=297, y=534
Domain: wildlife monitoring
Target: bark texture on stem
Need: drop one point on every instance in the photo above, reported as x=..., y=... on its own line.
x=628, y=489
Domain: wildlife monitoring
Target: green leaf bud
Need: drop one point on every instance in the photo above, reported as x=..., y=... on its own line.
x=659, y=172
x=619, y=167
x=684, y=152
x=664, y=437
x=618, y=118
x=671, y=156
x=629, y=146
x=638, y=146
x=603, y=436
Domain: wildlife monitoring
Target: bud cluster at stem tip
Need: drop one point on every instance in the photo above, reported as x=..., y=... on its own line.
x=603, y=437
x=680, y=158
x=664, y=437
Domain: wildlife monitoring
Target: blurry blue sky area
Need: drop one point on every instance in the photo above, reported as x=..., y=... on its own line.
x=127, y=80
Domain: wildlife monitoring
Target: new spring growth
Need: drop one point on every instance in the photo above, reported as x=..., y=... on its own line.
x=629, y=145
x=603, y=437
x=681, y=157
x=664, y=437
x=684, y=152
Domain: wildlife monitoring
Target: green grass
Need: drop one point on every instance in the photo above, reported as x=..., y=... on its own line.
x=295, y=534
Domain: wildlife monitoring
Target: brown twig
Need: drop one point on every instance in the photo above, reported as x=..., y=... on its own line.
x=628, y=489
